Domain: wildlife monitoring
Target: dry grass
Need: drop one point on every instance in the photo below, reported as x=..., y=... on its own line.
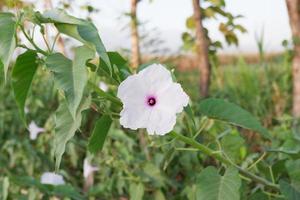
x=189, y=62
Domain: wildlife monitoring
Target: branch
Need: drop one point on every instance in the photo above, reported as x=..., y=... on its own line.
x=224, y=160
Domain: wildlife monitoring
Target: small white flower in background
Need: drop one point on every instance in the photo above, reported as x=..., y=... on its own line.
x=34, y=130
x=103, y=86
x=88, y=168
x=151, y=100
x=52, y=179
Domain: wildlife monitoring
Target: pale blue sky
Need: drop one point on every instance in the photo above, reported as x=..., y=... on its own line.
x=168, y=16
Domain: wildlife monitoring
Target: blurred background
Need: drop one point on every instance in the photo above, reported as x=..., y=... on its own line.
x=238, y=50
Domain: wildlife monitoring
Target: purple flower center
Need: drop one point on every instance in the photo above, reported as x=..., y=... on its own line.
x=151, y=101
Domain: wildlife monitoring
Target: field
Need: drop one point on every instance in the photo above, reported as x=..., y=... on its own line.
x=165, y=169
x=91, y=108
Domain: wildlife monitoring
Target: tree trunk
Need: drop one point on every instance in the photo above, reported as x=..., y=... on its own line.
x=294, y=17
x=135, y=49
x=202, y=51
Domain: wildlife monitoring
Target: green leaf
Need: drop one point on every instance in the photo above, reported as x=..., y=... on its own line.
x=66, y=127
x=82, y=30
x=190, y=23
x=159, y=195
x=120, y=66
x=232, y=145
x=105, y=95
x=27, y=181
x=60, y=190
x=7, y=39
x=89, y=33
x=136, y=191
x=293, y=169
x=212, y=186
x=57, y=16
x=99, y=134
x=22, y=75
x=67, y=191
x=218, y=3
x=220, y=109
x=153, y=174
x=188, y=110
x=71, y=77
x=72, y=31
x=289, y=191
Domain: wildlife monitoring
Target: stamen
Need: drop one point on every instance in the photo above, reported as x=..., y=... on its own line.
x=151, y=101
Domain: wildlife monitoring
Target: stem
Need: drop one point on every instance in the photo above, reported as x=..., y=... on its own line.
x=32, y=42
x=24, y=47
x=104, y=94
x=224, y=160
x=46, y=42
x=54, y=42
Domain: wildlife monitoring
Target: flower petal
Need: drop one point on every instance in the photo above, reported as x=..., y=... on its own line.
x=132, y=90
x=160, y=123
x=88, y=168
x=52, y=179
x=156, y=82
x=155, y=77
x=173, y=98
x=135, y=117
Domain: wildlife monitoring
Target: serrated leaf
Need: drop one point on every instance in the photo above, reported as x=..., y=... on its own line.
x=289, y=191
x=71, y=77
x=220, y=109
x=66, y=127
x=212, y=186
x=7, y=39
x=99, y=134
x=22, y=76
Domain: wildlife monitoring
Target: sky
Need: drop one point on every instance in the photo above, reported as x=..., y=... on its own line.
x=168, y=18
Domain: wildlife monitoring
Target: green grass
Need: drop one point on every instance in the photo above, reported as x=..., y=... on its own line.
x=263, y=89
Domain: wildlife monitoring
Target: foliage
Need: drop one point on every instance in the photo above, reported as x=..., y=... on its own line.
x=213, y=10
x=202, y=158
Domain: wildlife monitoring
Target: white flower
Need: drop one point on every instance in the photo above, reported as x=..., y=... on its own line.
x=34, y=130
x=52, y=179
x=103, y=86
x=88, y=168
x=151, y=100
